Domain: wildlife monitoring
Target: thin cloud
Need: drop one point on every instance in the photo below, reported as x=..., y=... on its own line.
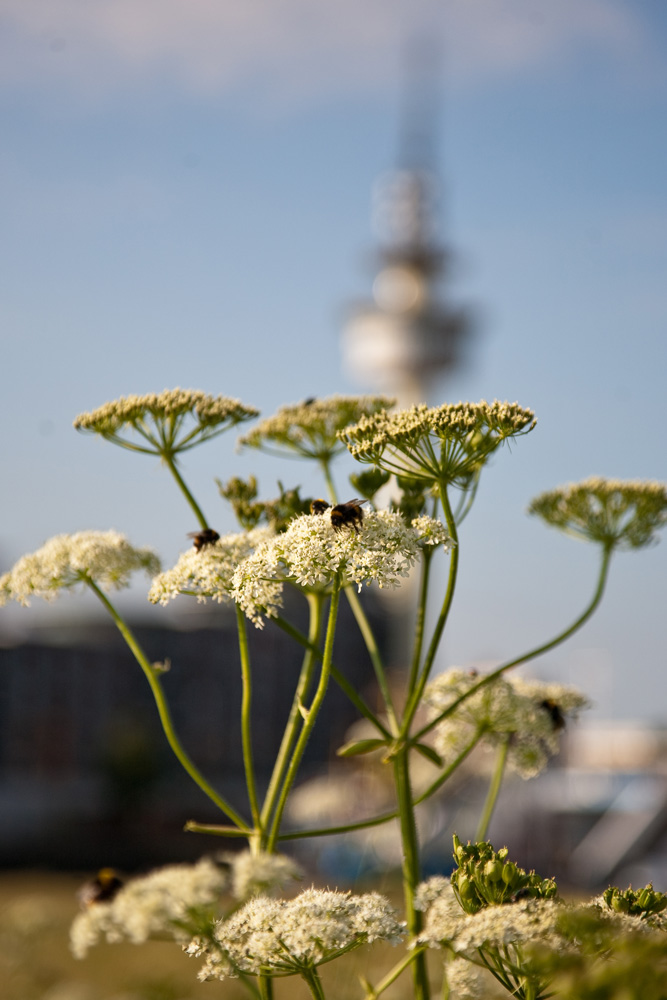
x=292, y=50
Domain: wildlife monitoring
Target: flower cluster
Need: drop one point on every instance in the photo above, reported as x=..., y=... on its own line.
x=174, y=900
x=616, y=513
x=159, y=419
x=279, y=937
x=445, y=444
x=310, y=553
x=310, y=429
x=103, y=557
x=527, y=715
x=179, y=900
x=209, y=571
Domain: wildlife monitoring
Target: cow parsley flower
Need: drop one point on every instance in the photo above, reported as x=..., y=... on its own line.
x=614, y=512
x=529, y=714
x=435, y=445
x=209, y=571
x=174, y=900
x=310, y=429
x=283, y=937
x=105, y=557
x=311, y=552
x=164, y=423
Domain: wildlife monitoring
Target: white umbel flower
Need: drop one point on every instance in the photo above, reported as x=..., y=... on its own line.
x=530, y=714
x=207, y=572
x=172, y=900
x=312, y=552
x=105, y=557
x=282, y=937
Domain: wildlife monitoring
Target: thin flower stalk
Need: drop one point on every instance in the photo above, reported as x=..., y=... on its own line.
x=163, y=711
x=246, y=726
x=417, y=691
x=295, y=720
x=494, y=789
x=342, y=682
x=374, y=652
x=311, y=714
x=373, y=992
x=533, y=653
x=411, y=867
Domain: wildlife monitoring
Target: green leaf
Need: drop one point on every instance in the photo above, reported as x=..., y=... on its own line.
x=358, y=747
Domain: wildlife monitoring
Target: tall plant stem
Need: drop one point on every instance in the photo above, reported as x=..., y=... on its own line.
x=170, y=460
x=373, y=651
x=418, y=689
x=494, y=789
x=265, y=987
x=246, y=721
x=310, y=716
x=163, y=710
x=411, y=867
x=295, y=720
x=533, y=653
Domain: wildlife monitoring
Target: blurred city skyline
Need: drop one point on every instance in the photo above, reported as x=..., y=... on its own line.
x=187, y=202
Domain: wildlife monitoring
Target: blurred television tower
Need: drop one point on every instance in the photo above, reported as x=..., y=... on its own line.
x=408, y=336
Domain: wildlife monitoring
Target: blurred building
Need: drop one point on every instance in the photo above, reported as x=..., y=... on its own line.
x=86, y=775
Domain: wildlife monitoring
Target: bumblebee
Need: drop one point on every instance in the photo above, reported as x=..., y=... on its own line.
x=100, y=889
x=201, y=538
x=343, y=515
x=555, y=713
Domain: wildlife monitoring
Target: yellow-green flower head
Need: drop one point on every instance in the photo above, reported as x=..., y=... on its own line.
x=530, y=714
x=165, y=423
x=168, y=901
x=105, y=557
x=617, y=513
x=310, y=429
x=209, y=571
x=441, y=444
x=311, y=553
x=284, y=937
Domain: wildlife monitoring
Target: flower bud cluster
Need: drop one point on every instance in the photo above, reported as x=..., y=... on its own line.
x=644, y=903
x=615, y=513
x=445, y=444
x=158, y=418
x=310, y=429
x=485, y=877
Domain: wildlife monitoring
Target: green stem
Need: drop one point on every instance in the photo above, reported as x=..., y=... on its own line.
x=314, y=982
x=171, y=463
x=336, y=675
x=310, y=717
x=420, y=618
x=494, y=789
x=373, y=652
x=246, y=723
x=411, y=867
x=325, y=465
x=545, y=647
x=295, y=720
x=418, y=690
x=163, y=710
x=265, y=987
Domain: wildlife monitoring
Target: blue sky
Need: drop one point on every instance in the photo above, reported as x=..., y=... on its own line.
x=186, y=201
